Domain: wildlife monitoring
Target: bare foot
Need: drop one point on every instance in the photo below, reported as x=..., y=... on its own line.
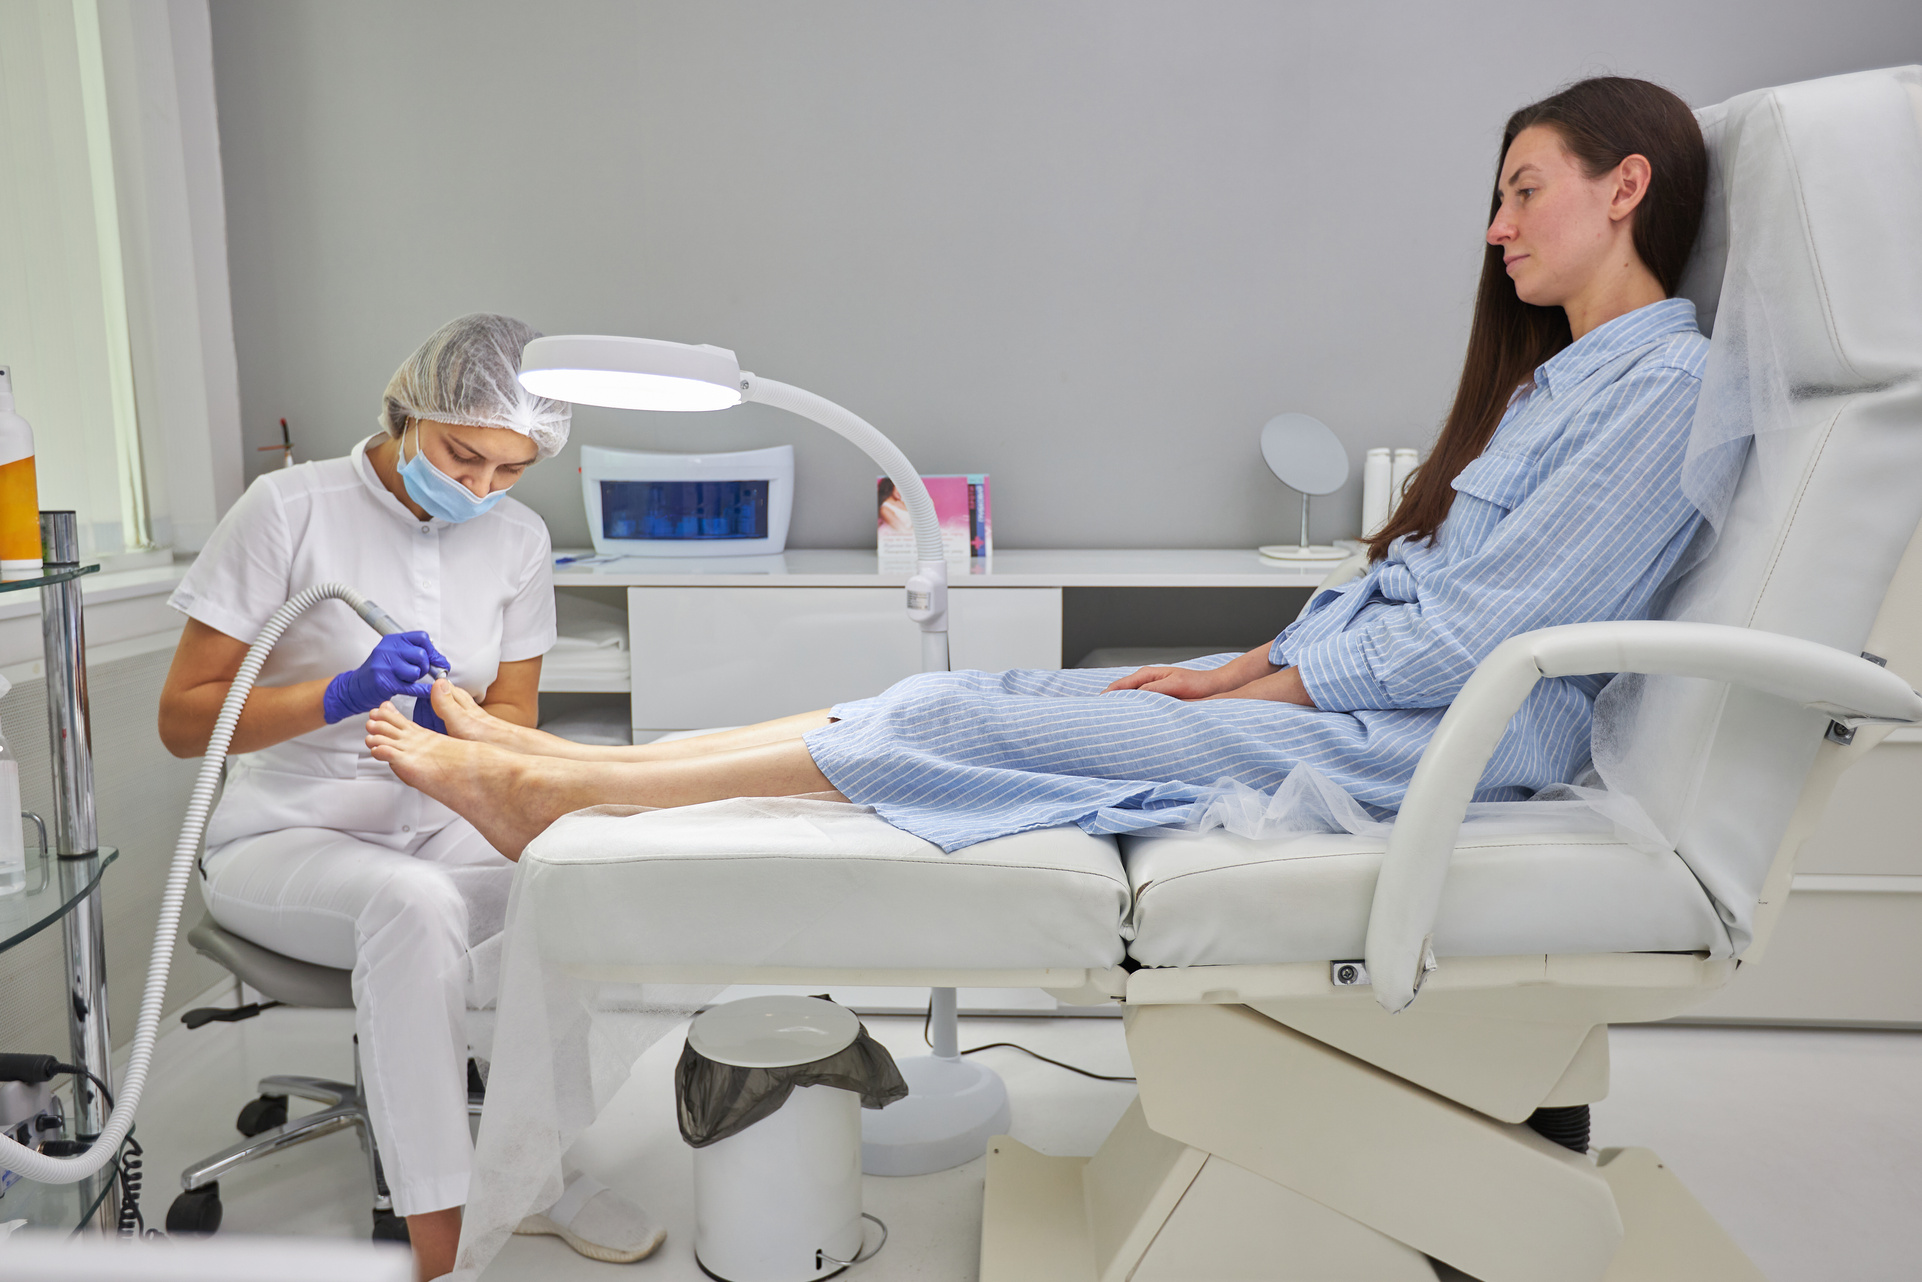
x=466, y=719
x=498, y=791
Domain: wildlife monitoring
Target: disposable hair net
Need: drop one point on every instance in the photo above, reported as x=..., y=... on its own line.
x=467, y=374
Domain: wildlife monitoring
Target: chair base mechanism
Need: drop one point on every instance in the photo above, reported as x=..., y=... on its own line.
x=198, y=1210
x=1255, y=1151
x=953, y=1108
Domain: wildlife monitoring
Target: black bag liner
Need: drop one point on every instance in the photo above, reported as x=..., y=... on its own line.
x=715, y=1101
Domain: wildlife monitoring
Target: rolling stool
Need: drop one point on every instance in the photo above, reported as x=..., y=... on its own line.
x=264, y=1121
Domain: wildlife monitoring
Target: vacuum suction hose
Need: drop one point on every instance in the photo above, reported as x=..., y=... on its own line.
x=69, y=1170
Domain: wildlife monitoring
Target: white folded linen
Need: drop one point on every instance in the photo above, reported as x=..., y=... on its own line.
x=583, y=663
x=587, y=624
x=606, y=724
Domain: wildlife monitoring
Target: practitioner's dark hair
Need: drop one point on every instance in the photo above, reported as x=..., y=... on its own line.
x=1602, y=122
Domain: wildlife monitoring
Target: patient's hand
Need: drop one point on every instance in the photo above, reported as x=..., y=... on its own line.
x=1200, y=683
x=1284, y=686
x=1181, y=683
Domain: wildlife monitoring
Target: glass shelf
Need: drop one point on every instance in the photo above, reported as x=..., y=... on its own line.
x=54, y=886
x=48, y=580
x=57, y=1206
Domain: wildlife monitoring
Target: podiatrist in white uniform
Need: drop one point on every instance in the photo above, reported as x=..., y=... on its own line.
x=317, y=850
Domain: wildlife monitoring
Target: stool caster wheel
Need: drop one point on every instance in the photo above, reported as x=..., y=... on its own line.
x=389, y=1227
x=262, y=1114
x=196, y=1210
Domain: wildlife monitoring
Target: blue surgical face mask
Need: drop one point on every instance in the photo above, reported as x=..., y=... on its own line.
x=438, y=492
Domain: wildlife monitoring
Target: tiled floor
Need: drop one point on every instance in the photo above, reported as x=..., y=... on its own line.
x=1806, y=1145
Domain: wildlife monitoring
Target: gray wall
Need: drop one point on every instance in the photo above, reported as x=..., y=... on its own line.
x=1089, y=246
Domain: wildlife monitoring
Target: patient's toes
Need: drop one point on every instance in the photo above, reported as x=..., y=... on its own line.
x=463, y=717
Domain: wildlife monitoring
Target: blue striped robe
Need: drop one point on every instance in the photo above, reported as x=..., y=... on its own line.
x=1573, y=513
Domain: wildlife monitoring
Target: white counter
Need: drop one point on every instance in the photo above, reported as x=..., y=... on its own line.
x=838, y=568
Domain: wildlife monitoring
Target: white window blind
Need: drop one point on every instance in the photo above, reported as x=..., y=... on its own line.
x=114, y=314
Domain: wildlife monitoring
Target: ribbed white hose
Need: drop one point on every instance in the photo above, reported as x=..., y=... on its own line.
x=71, y=1170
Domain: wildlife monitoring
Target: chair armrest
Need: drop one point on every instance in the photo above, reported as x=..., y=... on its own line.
x=1408, y=890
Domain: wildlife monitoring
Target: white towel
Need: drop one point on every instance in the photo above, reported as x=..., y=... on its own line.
x=584, y=661
x=588, y=625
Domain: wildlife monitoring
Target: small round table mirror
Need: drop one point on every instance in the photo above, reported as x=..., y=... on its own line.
x=1307, y=458
x=1304, y=454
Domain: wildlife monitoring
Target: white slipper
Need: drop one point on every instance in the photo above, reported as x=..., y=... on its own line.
x=598, y=1222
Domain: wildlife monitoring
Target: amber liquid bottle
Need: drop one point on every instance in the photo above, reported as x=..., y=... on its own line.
x=19, y=493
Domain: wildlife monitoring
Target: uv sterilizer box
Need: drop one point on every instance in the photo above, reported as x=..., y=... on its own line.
x=643, y=504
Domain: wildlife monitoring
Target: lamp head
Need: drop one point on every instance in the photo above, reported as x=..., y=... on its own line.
x=631, y=373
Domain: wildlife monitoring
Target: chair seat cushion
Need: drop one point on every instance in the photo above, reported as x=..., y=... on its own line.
x=1222, y=900
x=794, y=882
x=276, y=977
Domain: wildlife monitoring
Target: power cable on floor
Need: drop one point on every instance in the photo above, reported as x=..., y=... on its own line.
x=928, y=1019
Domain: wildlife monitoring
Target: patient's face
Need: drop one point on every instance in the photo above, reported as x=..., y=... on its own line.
x=1553, y=226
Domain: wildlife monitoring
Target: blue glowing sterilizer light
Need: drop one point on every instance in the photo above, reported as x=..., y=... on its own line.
x=647, y=504
x=684, y=509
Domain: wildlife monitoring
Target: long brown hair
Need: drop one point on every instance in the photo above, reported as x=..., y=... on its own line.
x=1601, y=122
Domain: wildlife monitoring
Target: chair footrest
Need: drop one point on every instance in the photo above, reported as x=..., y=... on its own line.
x=1668, y=1236
x=1034, y=1224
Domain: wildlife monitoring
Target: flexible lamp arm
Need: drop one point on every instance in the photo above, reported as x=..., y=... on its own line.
x=928, y=589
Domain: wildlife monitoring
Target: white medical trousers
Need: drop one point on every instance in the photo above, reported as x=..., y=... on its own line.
x=401, y=913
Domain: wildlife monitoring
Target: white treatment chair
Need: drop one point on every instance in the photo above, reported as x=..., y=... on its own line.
x=1309, y=1107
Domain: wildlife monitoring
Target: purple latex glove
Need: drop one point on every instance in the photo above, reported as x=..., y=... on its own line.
x=425, y=717
x=397, y=665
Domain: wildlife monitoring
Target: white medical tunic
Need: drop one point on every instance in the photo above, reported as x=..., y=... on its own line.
x=483, y=589
x=317, y=850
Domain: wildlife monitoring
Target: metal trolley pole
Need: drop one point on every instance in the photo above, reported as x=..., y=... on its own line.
x=63, y=636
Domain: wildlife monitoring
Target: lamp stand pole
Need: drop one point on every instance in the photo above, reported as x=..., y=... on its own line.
x=953, y=1106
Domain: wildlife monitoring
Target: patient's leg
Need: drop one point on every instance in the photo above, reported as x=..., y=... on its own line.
x=511, y=797
x=466, y=719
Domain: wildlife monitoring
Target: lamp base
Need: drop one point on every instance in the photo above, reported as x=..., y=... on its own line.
x=953, y=1108
x=1294, y=554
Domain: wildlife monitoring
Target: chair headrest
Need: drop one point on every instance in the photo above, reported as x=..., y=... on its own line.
x=1814, y=193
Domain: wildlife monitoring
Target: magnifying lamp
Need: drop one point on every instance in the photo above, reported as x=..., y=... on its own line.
x=1306, y=457
x=650, y=374
x=953, y=1106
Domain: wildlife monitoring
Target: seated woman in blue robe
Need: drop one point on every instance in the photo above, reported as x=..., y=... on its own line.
x=1552, y=496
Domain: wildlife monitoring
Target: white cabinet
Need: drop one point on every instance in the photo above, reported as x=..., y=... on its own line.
x=1848, y=947
x=715, y=656
x=729, y=640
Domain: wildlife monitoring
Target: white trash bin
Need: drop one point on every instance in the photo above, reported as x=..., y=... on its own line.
x=779, y=1200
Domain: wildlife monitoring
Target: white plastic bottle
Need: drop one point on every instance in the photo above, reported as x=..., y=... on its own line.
x=13, y=841
x=1376, y=470
x=19, y=494
x=1403, y=467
